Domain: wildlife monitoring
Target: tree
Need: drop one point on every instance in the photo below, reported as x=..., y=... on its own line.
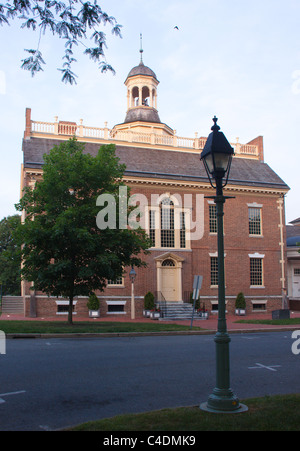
x=75, y=21
x=10, y=256
x=64, y=253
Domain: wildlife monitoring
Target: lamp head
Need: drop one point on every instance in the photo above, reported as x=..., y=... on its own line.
x=217, y=156
x=132, y=275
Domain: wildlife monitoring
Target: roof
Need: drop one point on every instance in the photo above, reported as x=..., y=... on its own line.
x=141, y=69
x=293, y=241
x=292, y=235
x=143, y=114
x=295, y=221
x=168, y=164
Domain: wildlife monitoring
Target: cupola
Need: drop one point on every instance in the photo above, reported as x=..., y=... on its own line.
x=142, y=115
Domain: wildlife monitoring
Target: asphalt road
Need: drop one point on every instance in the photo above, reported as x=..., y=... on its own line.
x=48, y=384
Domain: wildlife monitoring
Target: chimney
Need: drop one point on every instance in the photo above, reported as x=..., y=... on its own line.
x=27, y=132
x=259, y=142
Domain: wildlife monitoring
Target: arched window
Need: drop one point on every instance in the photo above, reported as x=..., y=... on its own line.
x=135, y=96
x=167, y=234
x=168, y=224
x=145, y=96
x=168, y=262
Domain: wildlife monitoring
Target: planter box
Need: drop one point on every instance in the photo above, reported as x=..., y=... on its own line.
x=240, y=311
x=281, y=314
x=146, y=313
x=94, y=313
x=154, y=315
x=203, y=315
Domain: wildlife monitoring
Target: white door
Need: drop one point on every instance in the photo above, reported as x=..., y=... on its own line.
x=296, y=283
x=169, y=281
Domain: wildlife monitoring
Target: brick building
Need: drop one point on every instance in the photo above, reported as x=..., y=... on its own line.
x=180, y=220
x=293, y=263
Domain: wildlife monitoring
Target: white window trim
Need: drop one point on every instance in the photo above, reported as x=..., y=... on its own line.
x=262, y=301
x=260, y=256
x=65, y=302
x=177, y=210
x=258, y=206
x=256, y=255
x=212, y=202
x=255, y=205
x=116, y=303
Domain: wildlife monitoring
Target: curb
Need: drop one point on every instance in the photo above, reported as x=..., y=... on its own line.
x=146, y=334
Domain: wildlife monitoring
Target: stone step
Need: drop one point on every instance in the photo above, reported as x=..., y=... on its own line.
x=174, y=310
x=12, y=305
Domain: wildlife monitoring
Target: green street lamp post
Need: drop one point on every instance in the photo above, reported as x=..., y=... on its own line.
x=217, y=156
x=132, y=276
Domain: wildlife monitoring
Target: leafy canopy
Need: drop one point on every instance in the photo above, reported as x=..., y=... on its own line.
x=10, y=257
x=75, y=22
x=64, y=252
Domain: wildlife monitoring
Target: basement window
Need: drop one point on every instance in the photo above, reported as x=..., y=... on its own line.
x=116, y=307
x=63, y=307
x=259, y=306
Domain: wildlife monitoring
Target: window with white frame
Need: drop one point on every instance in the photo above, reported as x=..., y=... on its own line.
x=152, y=227
x=116, y=307
x=168, y=225
x=256, y=272
x=182, y=230
x=212, y=218
x=63, y=307
x=214, y=271
x=167, y=231
x=259, y=306
x=254, y=219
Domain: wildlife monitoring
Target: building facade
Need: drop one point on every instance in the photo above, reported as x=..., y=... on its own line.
x=293, y=264
x=165, y=171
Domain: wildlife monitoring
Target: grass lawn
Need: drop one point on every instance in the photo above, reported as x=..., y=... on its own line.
x=274, y=322
x=271, y=413
x=55, y=327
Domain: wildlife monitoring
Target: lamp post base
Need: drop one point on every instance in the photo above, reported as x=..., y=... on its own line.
x=223, y=401
x=240, y=409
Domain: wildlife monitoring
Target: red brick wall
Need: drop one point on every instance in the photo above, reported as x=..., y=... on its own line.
x=238, y=245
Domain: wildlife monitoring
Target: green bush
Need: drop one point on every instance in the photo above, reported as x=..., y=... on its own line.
x=93, y=302
x=240, y=301
x=149, y=301
x=197, y=303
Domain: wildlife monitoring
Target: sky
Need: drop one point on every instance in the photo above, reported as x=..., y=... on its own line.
x=235, y=59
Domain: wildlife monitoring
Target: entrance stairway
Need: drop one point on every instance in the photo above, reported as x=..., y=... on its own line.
x=175, y=310
x=12, y=305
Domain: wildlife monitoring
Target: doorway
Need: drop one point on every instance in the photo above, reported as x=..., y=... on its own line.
x=169, y=276
x=296, y=282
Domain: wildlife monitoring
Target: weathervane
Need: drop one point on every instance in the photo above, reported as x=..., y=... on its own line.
x=141, y=49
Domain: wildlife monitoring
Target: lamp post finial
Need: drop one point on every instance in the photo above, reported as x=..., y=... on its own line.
x=215, y=127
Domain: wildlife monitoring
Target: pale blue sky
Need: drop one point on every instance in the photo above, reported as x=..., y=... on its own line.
x=235, y=59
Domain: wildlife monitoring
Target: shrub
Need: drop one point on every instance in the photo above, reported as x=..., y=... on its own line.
x=93, y=302
x=149, y=301
x=240, y=301
x=197, y=303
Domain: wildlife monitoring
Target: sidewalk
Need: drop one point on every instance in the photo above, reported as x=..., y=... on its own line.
x=210, y=324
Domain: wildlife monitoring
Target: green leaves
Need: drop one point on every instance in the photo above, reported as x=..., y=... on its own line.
x=10, y=256
x=34, y=62
x=64, y=252
x=72, y=22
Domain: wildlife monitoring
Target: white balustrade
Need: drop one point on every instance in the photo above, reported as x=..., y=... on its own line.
x=82, y=131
